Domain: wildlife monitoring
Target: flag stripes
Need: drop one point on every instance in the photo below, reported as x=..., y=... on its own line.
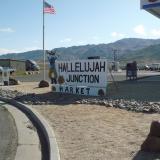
x=48, y=8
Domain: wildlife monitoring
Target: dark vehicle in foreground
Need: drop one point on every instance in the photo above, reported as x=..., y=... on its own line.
x=32, y=66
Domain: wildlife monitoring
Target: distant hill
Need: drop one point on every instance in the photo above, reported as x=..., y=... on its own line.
x=148, y=54
x=123, y=47
x=127, y=49
x=35, y=55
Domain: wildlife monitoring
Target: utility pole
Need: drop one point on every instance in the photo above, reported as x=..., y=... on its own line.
x=115, y=59
x=115, y=55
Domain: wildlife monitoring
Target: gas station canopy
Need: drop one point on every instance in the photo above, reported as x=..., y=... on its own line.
x=152, y=6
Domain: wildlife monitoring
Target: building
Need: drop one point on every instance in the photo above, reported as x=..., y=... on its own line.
x=19, y=65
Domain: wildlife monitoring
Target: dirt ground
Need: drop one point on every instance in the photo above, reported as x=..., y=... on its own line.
x=28, y=87
x=91, y=132
x=86, y=132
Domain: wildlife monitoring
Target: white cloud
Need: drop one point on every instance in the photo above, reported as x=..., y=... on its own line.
x=30, y=49
x=5, y=50
x=140, y=30
x=66, y=40
x=155, y=33
x=143, y=31
x=117, y=35
x=9, y=30
x=81, y=42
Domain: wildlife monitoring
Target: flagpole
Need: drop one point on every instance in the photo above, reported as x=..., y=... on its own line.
x=44, y=55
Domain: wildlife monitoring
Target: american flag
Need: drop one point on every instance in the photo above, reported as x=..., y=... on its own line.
x=48, y=8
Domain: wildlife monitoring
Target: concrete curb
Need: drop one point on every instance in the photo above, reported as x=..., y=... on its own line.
x=42, y=125
x=28, y=140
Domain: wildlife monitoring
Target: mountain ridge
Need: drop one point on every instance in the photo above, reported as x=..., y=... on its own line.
x=126, y=49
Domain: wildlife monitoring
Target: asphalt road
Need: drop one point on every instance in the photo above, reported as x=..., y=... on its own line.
x=118, y=76
x=145, y=88
x=8, y=135
x=144, y=75
x=33, y=77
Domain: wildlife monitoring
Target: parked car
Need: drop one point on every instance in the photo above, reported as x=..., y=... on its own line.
x=155, y=67
x=143, y=67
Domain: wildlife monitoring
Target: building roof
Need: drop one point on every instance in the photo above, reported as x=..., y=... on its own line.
x=12, y=60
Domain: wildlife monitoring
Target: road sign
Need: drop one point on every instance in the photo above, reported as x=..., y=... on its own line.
x=152, y=6
x=83, y=77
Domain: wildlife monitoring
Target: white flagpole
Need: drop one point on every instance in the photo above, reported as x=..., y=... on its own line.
x=44, y=55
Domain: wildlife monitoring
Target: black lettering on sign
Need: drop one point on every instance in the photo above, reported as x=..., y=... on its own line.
x=103, y=66
x=96, y=78
x=67, y=89
x=77, y=66
x=60, y=67
x=77, y=90
x=71, y=67
x=91, y=79
x=80, y=78
x=83, y=78
x=92, y=68
x=86, y=66
x=95, y=66
x=60, y=88
x=82, y=91
x=71, y=90
x=81, y=70
x=63, y=67
x=68, y=80
x=88, y=91
x=75, y=79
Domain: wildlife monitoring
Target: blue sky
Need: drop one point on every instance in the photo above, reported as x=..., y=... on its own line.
x=76, y=22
